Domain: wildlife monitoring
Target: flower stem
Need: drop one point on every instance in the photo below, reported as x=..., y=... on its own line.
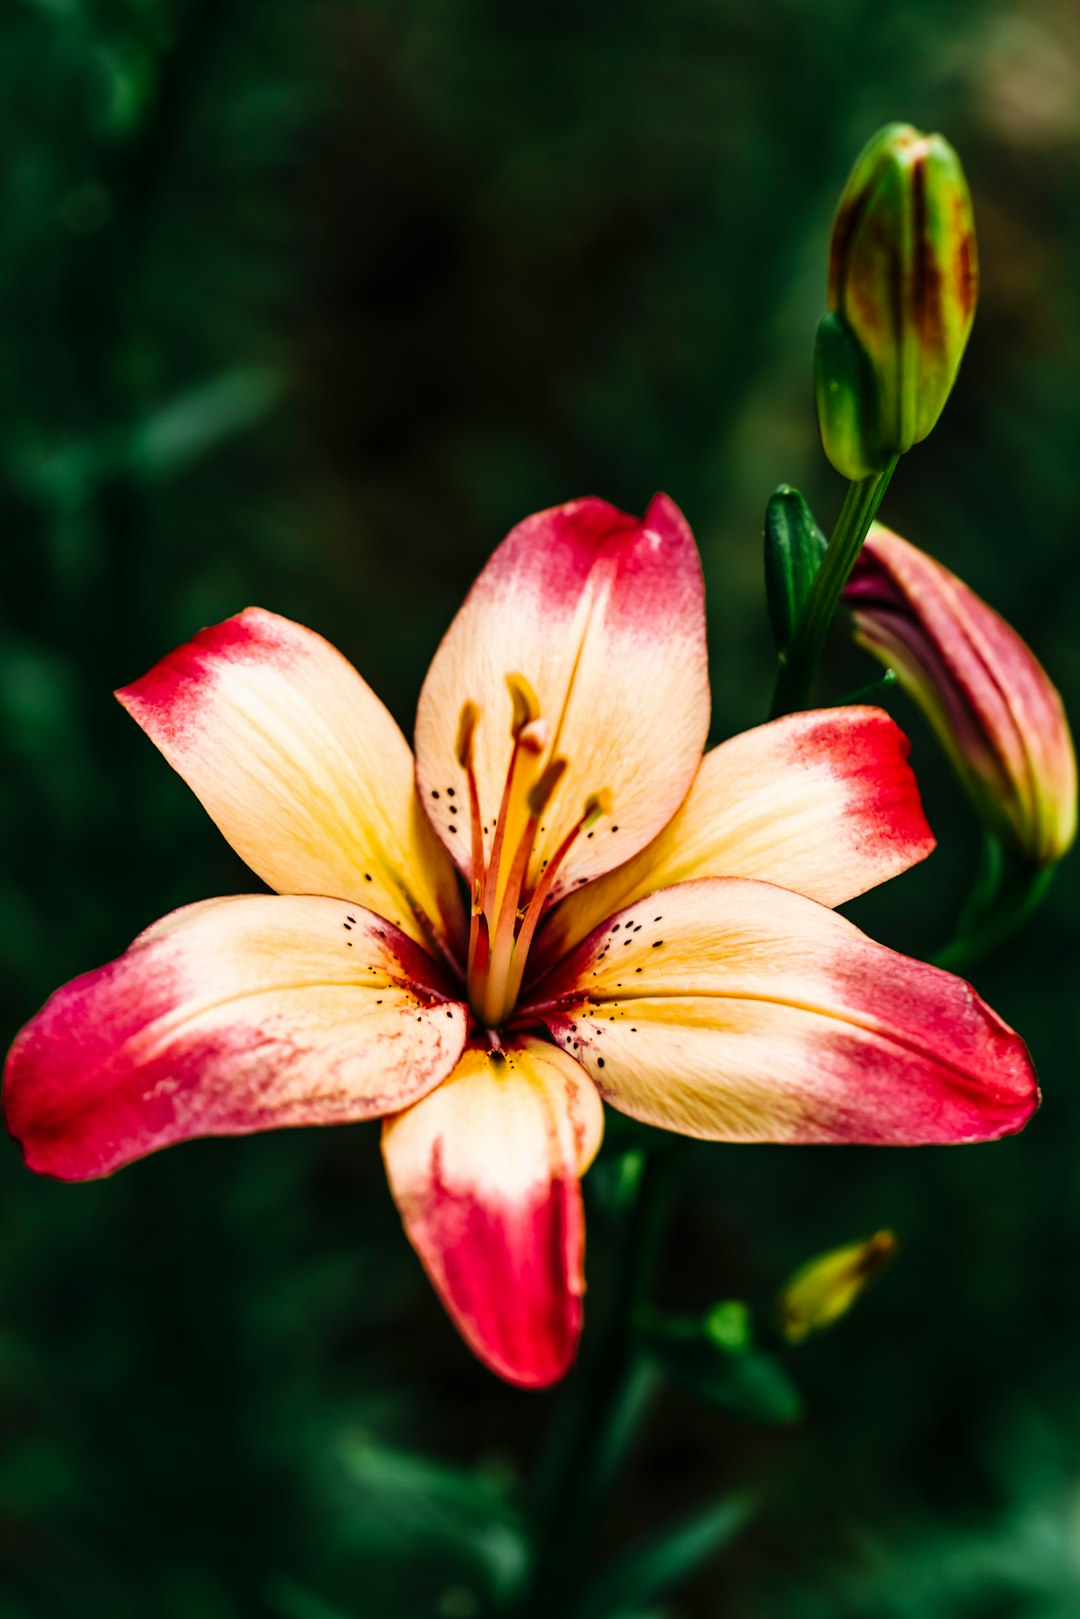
x=1000, y=903
x=604, y=1403
x=797, y=667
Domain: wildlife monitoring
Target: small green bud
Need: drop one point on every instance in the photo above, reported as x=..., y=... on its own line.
x=903, y=281
x=794, y=547
x=729, y=1325
x=714, y=1357
x=825, y=1288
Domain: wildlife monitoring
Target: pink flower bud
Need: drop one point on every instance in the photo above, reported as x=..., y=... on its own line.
x=987, y=696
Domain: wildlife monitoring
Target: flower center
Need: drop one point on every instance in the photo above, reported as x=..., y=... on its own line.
x=506, y=909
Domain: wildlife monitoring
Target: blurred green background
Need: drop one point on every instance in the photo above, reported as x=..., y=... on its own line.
x=305, y=305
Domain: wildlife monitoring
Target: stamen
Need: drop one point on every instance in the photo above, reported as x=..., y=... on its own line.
x=525, y=701
x=538, y=800
x=478, y=928
x=503, y=919
x=541, y=792
x=470, y=719
x=529, y=742
x=596, y=805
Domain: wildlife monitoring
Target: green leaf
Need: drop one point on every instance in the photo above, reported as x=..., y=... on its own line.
x=622, y=1590
x=418, y=1502
x=193, y=424
x=722, y=1367
x=293, y=1602
x=794, y=547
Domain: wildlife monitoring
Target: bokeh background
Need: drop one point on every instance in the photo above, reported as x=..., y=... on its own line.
x=304, y=304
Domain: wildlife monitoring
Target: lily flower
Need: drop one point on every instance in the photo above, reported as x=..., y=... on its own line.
x=991, y=702
x=643, y=925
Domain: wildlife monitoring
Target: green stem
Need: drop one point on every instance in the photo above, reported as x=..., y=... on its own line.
x=604, y=1403
x=990, y=917
x=868, y=693
x=857, y=513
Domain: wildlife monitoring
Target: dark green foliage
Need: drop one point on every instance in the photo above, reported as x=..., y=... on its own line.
x=304, y=304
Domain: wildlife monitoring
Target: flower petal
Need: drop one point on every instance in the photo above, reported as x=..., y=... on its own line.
x=485, y=1172
x=301, y=766
x=603, y=614
x=738, y=1011
x=823, y=802
x=230, y=1016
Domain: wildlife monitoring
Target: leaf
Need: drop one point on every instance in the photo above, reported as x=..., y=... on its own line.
x=722, y=1367
x=293, y=1602
x=623, y=1589
x=422, y=1502
x=196, y=422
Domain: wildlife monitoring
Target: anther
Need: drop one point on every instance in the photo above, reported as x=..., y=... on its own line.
x=542, y=789
x=525, y=701
x=596, y=805
x=470, y=718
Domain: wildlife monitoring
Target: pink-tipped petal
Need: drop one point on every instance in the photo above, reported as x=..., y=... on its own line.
x=603, y=614
x=230, y=1016
x=824, y=803
x=485, y=1172
x=737, y=1011
x=301, y=766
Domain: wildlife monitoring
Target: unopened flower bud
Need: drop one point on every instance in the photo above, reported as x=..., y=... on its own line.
x=794, y=547
x=825, y=1288
x=989, y=699
x=903, y=280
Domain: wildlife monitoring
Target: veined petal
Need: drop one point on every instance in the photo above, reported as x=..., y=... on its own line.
x=485, y=1172
x=737, y=1011
x=301, y=766
x=824, y=803
x=230, y=1016
x=603, y=614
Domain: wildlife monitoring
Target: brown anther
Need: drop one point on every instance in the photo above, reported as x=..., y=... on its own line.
x=470, y=719
x=542, y=789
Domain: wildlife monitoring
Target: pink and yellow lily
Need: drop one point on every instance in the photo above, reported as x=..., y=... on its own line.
x=643, y=925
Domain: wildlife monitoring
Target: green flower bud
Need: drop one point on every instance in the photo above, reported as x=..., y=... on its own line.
x=903, y=280
x=794, y=547
x=825, y=1288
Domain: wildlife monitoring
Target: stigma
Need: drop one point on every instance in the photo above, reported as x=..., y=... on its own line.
x=508, y=895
